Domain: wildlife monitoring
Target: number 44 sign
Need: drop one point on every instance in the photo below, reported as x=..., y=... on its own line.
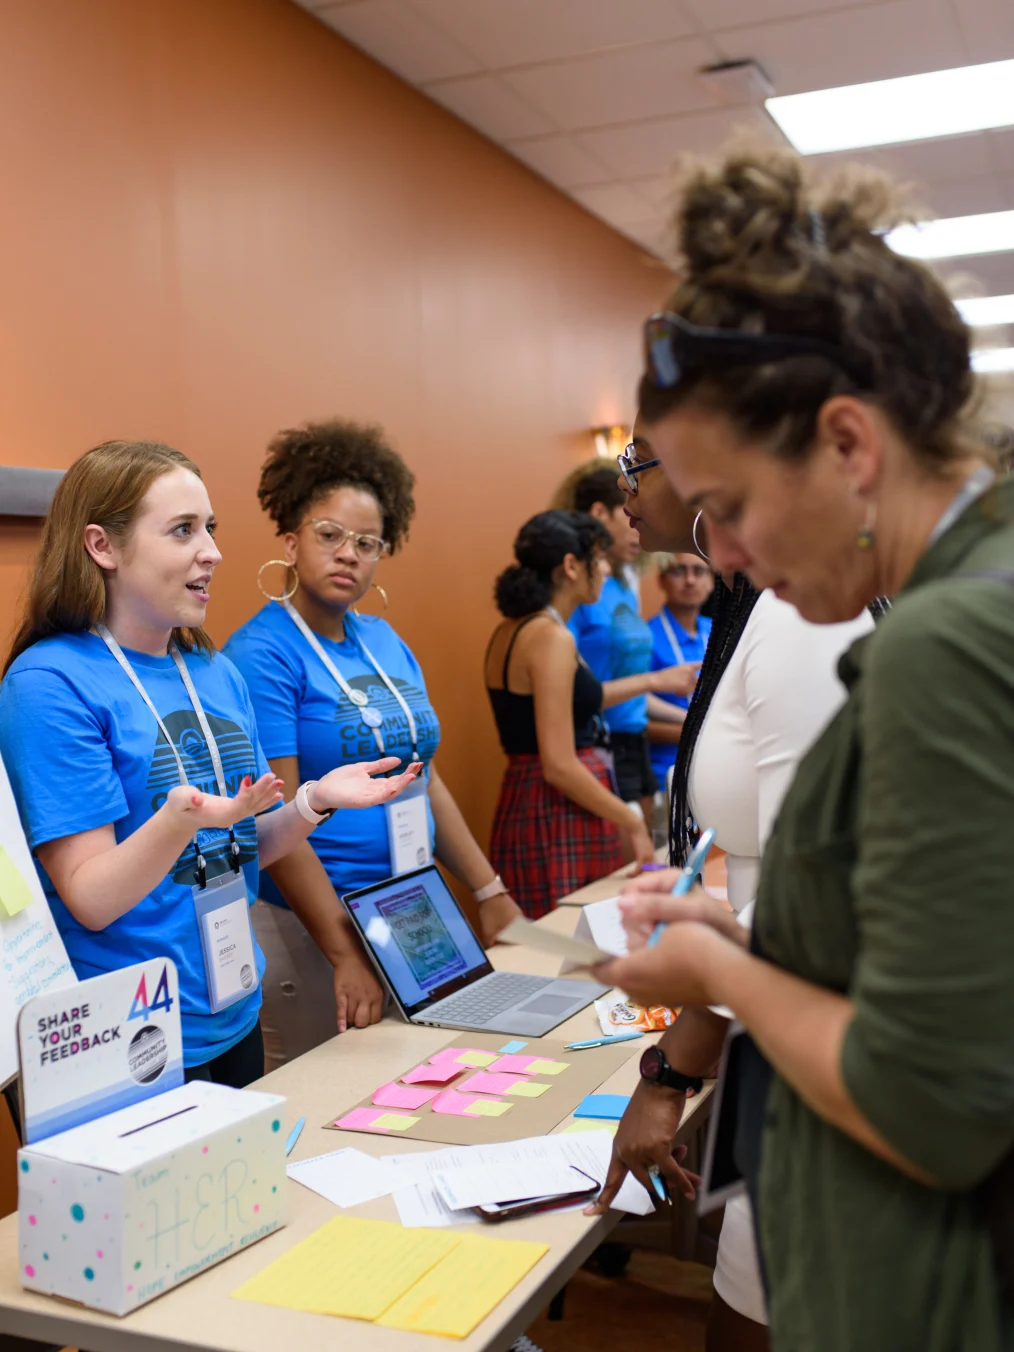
x=91, y=1048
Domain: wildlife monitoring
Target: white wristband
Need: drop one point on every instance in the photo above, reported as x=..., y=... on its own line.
x=302, y=801
x=494, y=889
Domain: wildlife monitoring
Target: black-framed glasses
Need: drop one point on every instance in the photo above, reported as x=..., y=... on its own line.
x=673, y=346
x=331, y=536
x=631, y=468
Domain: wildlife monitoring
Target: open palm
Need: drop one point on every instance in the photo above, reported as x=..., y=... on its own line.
x=208, y=811
x=354, y=785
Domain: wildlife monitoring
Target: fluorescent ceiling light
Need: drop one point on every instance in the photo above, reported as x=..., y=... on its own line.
x=991, y=359
x=981, y=311
x=910, y=108
x=992, y=232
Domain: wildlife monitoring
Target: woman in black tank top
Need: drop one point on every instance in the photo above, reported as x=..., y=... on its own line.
x=559, y=824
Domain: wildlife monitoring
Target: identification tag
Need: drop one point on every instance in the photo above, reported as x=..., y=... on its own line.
x=223, y=918
x=408, y=829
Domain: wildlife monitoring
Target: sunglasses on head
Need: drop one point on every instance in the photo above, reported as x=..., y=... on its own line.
x=673, y=347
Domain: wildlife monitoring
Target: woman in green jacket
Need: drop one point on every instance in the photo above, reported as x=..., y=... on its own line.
x=806, y=391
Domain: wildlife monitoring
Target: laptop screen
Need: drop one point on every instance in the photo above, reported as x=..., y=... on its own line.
x=418, y=936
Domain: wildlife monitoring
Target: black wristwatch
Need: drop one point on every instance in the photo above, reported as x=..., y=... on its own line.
x=657, y=1070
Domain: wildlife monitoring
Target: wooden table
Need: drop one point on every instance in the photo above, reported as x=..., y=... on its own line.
x=199, y=1316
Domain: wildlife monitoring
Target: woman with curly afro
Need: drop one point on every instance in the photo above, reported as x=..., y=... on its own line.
x=329, y=687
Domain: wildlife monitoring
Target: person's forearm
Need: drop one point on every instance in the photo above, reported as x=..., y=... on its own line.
x=279, y=833
x=694, y=1042
x=628, y=687
x=302, y=881
x=663, y=734
x=801, y=1030
x=663, y=712
x=456, y=847
x=576, y=782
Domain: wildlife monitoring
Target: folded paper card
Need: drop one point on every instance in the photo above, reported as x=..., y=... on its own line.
x=373, y=1119
x=439, y=1074
x=402, y=1096
x=608, y=1106
x=580, y=952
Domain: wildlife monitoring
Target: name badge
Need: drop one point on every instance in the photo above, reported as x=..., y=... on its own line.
x=408, y=829
x=227, y=942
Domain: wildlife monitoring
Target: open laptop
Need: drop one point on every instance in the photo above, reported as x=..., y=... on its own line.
x=436, y=970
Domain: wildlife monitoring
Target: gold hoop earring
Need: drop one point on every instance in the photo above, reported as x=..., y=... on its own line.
x=281, y=563
x=693, y=532
x=866, y=536
x=375, y=586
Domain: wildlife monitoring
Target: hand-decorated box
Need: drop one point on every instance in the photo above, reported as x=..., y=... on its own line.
x=117, y=1210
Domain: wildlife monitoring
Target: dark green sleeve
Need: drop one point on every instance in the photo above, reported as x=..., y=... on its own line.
x=929, y=1059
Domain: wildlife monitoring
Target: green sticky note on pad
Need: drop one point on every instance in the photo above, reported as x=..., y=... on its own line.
x=15, y=894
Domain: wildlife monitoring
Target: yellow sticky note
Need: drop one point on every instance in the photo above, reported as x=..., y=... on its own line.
x=527, y=1089
x=547, y=1067
x=490, y=1108
x=350, y=1267
x=394, y=1122
x=476, y=1059
x=15, y=894
x=589, y=1124
x=462, y=1289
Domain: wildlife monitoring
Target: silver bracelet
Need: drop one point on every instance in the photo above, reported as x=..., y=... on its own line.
x=494, y=889
x=302, y=802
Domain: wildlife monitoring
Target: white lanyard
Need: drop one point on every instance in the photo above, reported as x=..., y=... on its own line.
x=202, y=719
x=670, y=634
x=373, y=718
x=974, y=486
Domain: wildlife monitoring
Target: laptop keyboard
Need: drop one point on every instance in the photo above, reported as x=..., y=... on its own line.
x=487, y=998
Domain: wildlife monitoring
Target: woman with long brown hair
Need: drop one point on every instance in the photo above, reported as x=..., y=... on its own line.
x=133, y=754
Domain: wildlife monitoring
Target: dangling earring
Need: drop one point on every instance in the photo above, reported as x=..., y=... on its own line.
x=696, y=542
x=281, y=563
x=865, y=536
x=383, y=596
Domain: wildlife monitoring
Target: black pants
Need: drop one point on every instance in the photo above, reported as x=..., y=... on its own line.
x=237, y=1067
x=635, y=779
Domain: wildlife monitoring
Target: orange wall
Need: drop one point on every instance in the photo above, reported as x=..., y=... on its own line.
x=219, y=219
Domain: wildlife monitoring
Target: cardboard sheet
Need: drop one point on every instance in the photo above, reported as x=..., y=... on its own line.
x=570, y=1077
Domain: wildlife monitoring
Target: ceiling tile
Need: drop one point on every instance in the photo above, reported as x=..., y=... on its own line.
x=651, y=235
x=989, y=275
x=852, y=46
x=619, y=86
x=485, y=102
x=716, y=14
x=562, y=161
x=616, y=203
x=401, y=39
x=524, y=31
x=1001, y=149
x=650, y=149
x=967, y=196
x=659, y=191
x=988, y=26
x=922, y=163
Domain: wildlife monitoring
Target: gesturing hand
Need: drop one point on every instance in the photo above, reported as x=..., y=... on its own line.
x=681, y=680
x=208, y=811
x=649, y=901
x=353, y=785
x=644, y=1140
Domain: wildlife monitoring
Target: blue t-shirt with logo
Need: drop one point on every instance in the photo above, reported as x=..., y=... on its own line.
x=82, y=750
x=689, y=648
x=302, y=712
x=615, y=641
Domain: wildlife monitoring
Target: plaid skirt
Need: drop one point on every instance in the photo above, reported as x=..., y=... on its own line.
x=544, y=845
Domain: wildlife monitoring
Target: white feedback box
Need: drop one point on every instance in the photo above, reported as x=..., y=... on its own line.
x=117, y=1210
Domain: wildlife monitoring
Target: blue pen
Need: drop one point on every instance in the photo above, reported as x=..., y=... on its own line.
x=294, y=1135
x=688, y=873
x=602, y=1041
x=658, y=1183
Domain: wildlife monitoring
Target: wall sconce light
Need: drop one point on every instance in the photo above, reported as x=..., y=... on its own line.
x=610, y=441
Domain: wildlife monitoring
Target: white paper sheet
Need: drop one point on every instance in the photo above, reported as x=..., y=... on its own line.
x=578, y=951
x=478, y=1185
x=345, y=1177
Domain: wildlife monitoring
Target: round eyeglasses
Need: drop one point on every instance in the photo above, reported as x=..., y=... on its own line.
x=331, y=536
x=631, y=468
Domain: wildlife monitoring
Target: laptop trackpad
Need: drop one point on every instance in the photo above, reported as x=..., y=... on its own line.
x=547, y=1004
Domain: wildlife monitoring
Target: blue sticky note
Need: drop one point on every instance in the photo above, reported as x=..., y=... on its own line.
x=608, y=1107
x=510, y=1047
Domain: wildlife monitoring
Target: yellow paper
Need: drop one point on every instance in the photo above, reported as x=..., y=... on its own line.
x=476, y=1059
x=350, y=1267
x=394, y=1121
x=462, y=1289
x=547, y=1067
x=15, y=894
x=484, y=1108
x=589, y=1124
x=526, y=1089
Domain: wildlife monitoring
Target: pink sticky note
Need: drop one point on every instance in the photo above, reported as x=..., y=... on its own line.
x=363, y=1119
x=433, y=1074
x=399, y=1096
x=514, y=1065
x=484, y=1082
x=463, y=1056
x=458, y=1105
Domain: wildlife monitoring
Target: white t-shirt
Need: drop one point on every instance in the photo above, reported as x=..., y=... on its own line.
x=777, y=694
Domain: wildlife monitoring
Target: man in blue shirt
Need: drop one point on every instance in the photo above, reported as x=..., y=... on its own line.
x=679, y=634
